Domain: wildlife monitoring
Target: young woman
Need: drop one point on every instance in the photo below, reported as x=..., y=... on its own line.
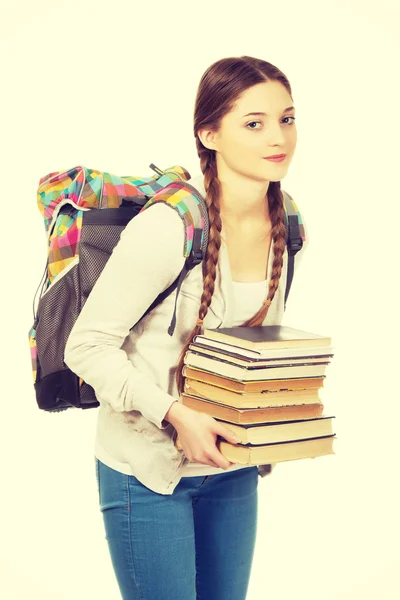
x=181, y=524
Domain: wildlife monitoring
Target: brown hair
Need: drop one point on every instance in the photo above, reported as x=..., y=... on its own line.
x=220, y=86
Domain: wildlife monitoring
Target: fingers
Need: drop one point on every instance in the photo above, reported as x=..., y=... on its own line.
x=226, y=433
x=213, y=459
x=205, y=451
x=219, y=460
x=211, y=463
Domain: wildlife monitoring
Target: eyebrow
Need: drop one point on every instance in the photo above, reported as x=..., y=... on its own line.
x=265, y=114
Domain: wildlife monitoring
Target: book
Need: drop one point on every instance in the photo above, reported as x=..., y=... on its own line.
x=263, y=384
x=250, y=399
x=267, y=337
x=282, y=431
x=252, y=415
x=254, y=372
x=303, y=383
x=274, y=453
x=259, y=361
x=234, y=349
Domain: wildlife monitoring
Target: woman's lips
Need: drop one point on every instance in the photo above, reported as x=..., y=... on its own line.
x=276, y=159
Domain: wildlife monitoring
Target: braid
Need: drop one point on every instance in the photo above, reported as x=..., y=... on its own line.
x=212, y=188
x=278, y=234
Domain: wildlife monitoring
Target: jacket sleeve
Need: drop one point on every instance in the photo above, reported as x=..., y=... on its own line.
x=146, y=260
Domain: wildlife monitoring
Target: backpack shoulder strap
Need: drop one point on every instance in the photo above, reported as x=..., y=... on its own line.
x=186, y=201
x=295, y=236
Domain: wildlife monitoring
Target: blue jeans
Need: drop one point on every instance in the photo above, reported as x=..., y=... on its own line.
x=195, y=544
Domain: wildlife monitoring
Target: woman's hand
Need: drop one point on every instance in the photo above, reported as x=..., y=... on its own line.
x=198, y=433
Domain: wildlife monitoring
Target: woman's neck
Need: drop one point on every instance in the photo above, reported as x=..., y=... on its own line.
x=243, y=201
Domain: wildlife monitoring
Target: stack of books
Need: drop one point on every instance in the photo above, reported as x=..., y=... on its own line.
x=262, y=383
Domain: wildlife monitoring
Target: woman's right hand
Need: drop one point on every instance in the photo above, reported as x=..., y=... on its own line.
x=198, y=433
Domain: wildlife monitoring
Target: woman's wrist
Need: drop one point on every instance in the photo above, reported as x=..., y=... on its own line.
x=175, y=412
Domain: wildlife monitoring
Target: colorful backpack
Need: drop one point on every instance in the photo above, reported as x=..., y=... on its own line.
x=83, y=226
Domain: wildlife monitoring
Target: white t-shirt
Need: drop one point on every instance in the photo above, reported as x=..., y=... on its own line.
x=248, y=298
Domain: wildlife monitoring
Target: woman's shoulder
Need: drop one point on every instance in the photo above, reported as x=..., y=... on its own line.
x=157, y=219
x=198, y=182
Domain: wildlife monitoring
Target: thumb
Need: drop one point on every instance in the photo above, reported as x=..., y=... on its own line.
x=226, y=433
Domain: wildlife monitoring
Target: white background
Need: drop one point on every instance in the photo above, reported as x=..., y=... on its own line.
x=111, y=85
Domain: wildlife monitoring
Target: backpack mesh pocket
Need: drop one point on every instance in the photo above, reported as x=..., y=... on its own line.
x=101, y=230
x=57, y=387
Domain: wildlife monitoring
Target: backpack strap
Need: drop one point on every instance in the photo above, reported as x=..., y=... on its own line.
x=186, y=201
x=295, y=236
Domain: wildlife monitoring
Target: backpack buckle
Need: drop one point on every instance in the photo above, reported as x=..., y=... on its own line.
x=295, y=243
x=194, y=258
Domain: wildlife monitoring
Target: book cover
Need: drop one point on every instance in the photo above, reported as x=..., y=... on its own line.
x=274, y=453
x=237, y=399
x=259, y=361
x=253, y=415
x=302, y=383
x=233, y=348
x=253, y=372
x=267, y=337
x=282, y=431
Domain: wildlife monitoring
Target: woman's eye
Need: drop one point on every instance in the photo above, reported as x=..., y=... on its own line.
x=251, y=123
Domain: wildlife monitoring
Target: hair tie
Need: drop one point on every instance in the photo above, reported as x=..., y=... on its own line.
x=267, y=302
x=199, y=322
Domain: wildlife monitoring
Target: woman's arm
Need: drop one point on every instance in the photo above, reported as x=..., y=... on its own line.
x=146, y=260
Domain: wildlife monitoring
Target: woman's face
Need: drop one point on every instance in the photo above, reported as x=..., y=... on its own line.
x=244, y=140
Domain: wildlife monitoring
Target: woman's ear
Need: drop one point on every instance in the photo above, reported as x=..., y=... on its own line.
x=207, y=138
